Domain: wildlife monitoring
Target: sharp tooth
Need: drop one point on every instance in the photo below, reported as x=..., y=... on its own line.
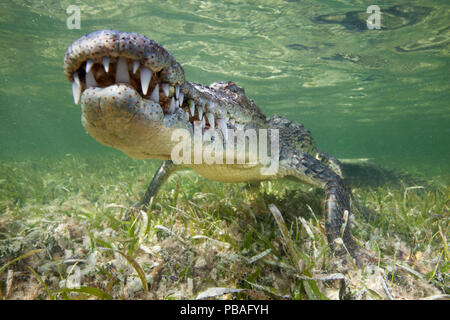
x=146, y=75
x=105, y=61
x=135, y=66
x=89, y=64
x=222, y=124
x=203, y=123
x=165, y=88
x=172, y=105
x=76, y=91
x=155, y=94
x=122, y=71
x=191, y=107
x=200, y=112
x=90, y=80
x=210, y=118
x=181, y=98
x=187, y=115
x=76, y=79
x=177, y=91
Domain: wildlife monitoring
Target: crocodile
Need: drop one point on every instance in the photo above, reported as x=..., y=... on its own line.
x=134, y=96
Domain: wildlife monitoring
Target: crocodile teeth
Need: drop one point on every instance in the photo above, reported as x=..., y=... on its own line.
x=187, y=115
x=90, y=80
x=172, y=105
x=105, y=62
x=200, y=112
x=76, y=91
x=89, y=64
x=122, y=71
x=165, y=88
x=135, y=66
x=146, y=75
x=181, y=97
x=210, y=118
x=155, y=94
x=76, y=79
x=177, y=91
x=203, y=122
x=192, y=107
x=222, y=124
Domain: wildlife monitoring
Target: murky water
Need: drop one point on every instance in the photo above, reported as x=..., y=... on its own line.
x=381, y=94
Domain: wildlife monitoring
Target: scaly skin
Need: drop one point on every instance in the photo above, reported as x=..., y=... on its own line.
x=118, y=111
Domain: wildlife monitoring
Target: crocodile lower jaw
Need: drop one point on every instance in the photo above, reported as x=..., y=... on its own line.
x=125, y=80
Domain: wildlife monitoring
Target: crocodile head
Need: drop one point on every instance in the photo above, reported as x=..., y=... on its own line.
x=134, y=95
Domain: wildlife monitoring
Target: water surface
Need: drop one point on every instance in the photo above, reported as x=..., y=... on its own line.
x=381, y=94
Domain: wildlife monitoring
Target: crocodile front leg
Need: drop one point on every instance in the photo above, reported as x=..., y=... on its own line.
x=306, y=168
x=167, y=167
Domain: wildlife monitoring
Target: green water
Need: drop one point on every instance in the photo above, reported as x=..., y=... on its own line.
x=381, y=94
